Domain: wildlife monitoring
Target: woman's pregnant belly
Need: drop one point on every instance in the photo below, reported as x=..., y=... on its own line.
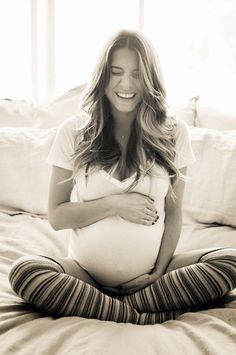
x=115, y=251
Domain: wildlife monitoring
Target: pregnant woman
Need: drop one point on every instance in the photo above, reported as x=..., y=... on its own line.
x=127, y=159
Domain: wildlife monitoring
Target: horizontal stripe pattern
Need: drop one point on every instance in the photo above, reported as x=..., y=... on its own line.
x=187, y=287
x=42, y=282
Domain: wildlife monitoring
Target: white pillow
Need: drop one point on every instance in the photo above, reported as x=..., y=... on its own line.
x=54, y=112
x=210, y=195
x=210, y=117
x=187, y=112
x=24, y=173
x=16, y=113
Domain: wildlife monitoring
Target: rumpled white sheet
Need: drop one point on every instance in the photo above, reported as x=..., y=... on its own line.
x=23, y=330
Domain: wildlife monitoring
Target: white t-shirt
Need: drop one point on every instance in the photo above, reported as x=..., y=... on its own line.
x=114, y=250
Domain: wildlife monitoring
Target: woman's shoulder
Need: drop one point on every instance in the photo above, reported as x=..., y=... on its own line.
x=178, y=125
x=74, y=123
x=184, y=154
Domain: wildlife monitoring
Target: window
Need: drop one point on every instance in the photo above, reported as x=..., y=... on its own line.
x=50, y=46
x=81, y=28
x=15, y=58
x=195, y=40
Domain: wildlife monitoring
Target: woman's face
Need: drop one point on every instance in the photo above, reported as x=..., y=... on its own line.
x=124, y=89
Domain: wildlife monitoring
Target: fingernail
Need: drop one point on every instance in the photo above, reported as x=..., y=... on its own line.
x=156, y=212
x=153, y=223
x=157, y=218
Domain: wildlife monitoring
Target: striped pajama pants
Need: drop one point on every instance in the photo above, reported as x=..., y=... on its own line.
x=42, y=281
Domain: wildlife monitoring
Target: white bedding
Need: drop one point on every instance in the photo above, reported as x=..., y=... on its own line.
x=23, y=330
x=209, y=199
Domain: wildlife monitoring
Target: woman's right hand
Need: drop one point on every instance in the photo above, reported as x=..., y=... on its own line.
x=135, y=207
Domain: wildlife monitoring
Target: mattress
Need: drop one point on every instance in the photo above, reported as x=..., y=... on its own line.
x=25, y=330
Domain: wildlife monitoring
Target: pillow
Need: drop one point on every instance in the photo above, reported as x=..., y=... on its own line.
x=24, y=177
x=54, y=112
x=210, y=117
x=210, y=194
x=16, y=113
x=186, y=112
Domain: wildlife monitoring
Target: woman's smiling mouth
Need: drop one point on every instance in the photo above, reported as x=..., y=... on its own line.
x=123, y=95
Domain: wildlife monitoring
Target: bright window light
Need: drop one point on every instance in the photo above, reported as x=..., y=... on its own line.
x=15, y=58
x=51, y=46
x=81, y=29
x=195, y=41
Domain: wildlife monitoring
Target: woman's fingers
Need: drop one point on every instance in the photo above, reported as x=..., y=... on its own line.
x=145, y=222
x=149, y=216
x=150, y=208
x=148, y=220
x=151, y=213
x=138, y=208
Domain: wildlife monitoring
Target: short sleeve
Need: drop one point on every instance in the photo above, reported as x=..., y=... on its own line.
x=63, y=147
x=184, y=152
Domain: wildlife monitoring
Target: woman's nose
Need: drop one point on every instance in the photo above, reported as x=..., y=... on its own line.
x=126, y=81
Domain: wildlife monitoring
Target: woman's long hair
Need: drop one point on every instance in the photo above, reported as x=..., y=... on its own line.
x=152, y=133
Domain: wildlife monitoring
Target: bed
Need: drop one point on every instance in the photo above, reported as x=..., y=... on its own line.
x=209, y=221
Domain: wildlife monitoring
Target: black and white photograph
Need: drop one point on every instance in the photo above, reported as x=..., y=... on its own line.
x=117, y=177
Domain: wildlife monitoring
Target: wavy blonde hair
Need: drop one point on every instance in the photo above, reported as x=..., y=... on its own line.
x=152, y=132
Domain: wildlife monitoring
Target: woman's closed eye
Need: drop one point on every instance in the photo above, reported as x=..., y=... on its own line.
x=115, y=72
x=118, y=72
x=135, y=75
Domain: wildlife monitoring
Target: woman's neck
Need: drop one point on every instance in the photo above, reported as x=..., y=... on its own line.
x=122, y=125
x=123, y=119
x=122, y=131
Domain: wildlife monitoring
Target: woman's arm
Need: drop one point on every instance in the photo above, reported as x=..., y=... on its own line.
x=173, y=225
x=64, y=214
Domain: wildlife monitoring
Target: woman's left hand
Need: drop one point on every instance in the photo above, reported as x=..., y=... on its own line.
x=139, y=283
x=134, y=285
